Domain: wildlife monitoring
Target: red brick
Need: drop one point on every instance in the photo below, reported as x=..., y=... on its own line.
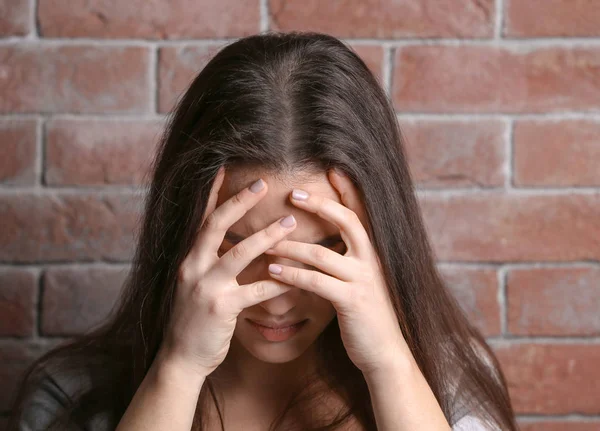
x=561, y=153
x=14, y=17
x=19, y=153
x=386, y=18
x=86, y=79
x=554, y=301
x=15, y=357
x=68, y=227
x=75, y=300
x=18, y=292
x=491, y=79
x=175, y=19
x=456, y=153
x=97, y=152
x=177, y=67
x=535, y=18
x=477, y=292
x=501, y=227
x=541, y=425
x=552, y=378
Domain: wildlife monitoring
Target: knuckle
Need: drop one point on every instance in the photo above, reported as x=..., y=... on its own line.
x=352, y=217
x=319, y=253
x=237, y=199
x=294, y=276
x=272, y=232
x=315, y=279
x=260, y=290
x=216, y=305
x=184, y=274
x=211, y=222
x=240, y=251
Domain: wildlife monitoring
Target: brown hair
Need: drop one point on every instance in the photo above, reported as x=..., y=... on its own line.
x=285, y=102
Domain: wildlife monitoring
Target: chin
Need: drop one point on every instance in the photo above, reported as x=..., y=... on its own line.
x=274, y=355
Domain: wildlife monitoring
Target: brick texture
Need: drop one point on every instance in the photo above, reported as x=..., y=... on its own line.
x=488, y=79
x=498, y=227
x=477, y=292
x=386, y=18
x=450, y=154
x=560, y=426
x=99, y=152
x=557, y=153
x=498, y=104
x=554, y=301
x=67, y=227
x=14, y=17
x=75, y=300
x=18, y=296
x=552, y=18
x=552, y=379
x=80, y=79
x=19, y=151
x=179, y=19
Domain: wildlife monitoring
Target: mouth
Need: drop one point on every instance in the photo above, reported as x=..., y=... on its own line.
x=277, y=327
x=278, y=334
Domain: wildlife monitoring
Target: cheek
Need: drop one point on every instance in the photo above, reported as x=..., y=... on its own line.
x=321, y=309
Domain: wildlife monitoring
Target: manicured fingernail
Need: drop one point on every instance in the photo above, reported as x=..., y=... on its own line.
x=299, y=194
x=257, y=186
x=288, y=221
x=275, y=269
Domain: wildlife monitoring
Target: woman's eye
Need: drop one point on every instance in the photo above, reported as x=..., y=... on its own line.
x=334, y=247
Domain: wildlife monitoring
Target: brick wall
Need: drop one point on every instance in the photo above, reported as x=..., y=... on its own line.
x=499, y=101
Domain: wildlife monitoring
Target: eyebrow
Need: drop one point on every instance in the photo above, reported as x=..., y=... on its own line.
x=325, y=242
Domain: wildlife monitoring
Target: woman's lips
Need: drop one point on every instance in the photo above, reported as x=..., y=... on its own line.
x=280, y=334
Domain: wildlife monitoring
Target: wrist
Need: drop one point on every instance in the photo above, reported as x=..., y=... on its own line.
x=173, y=371
x=399, y=366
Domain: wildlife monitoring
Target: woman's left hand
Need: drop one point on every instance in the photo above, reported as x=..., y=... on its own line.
x=353, y=282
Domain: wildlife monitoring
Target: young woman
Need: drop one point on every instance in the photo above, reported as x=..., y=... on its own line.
x=247, y=228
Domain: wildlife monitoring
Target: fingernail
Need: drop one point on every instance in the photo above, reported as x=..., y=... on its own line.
x=275, y=269
x=299, y=194
x=257, y=186
x=288, y=221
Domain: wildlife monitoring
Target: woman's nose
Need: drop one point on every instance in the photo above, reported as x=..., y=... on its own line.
x=279, y=305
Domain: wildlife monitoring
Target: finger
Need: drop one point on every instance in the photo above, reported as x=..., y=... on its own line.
x=327, y=287
x=239, y=257
x=251, y=294
x=214, y=193
x=225, y=215
x=351, y=229
x=194, y=255
x=348, y=194
x=315, y=255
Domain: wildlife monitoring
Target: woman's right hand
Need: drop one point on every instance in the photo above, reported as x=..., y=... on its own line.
x=208, y=298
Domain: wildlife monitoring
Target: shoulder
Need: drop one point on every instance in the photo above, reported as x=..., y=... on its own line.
x=472, y=423
x=465, y=402
x=45, y=401
x=51, y=396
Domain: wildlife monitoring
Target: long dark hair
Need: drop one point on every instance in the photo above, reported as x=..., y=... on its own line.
x=284, y=102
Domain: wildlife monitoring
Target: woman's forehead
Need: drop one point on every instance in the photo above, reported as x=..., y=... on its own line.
x=276, y=203
x=279, y=186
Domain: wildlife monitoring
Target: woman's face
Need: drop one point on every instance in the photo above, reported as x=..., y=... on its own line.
x=296, y=304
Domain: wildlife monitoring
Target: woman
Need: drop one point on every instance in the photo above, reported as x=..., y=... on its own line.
x=377, y=342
